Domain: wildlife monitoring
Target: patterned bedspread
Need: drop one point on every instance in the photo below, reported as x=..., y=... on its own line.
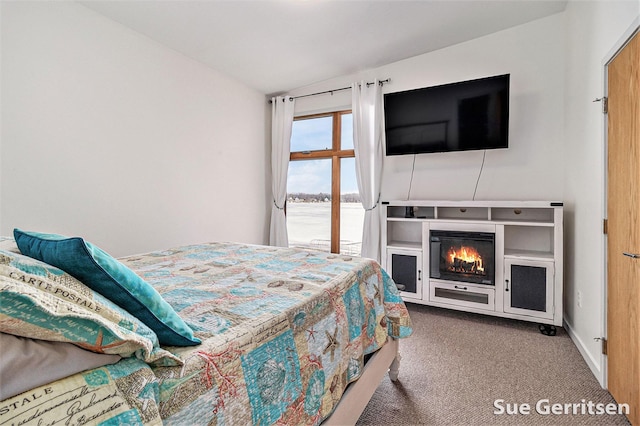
x=283, y=331
x=125, y=393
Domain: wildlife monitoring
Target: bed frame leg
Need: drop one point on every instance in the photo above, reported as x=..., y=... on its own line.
x=394, y=368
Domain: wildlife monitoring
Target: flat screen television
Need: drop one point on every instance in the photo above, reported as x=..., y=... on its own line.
x=468, y=115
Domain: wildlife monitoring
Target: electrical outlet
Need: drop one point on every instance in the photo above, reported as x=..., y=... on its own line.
x=579, y=299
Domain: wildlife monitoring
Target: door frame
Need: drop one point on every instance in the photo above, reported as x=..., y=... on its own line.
x=624, y=39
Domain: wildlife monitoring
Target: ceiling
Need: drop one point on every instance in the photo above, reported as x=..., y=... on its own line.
x=278, y=45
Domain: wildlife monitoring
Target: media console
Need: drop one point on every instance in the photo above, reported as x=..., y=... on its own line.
x=497, y=258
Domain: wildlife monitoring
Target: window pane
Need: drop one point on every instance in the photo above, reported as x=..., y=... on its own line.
x=312, y=134
x=351, y=210
x=309, y=204
x=347, y=131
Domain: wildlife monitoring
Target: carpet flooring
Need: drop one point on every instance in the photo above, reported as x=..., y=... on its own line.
x=457, y=364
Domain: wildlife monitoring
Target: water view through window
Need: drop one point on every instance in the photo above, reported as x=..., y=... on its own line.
x=310, y=189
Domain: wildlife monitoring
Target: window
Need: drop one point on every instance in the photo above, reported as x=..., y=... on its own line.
x=323, y=205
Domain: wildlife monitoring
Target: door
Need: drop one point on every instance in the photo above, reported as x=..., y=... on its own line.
x=528, y=288
x=623, y=214
x=405, y=268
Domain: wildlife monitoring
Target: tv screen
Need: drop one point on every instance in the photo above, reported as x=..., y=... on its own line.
x=468, y=115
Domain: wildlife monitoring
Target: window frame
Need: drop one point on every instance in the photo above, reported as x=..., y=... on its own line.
x=335, y=154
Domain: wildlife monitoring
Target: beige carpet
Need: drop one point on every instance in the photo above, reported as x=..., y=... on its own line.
x=457, y=364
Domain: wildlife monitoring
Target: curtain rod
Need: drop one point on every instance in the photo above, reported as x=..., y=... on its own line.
x=381, y=82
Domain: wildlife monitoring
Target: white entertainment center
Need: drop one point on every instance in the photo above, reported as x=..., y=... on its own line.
x=497, y=258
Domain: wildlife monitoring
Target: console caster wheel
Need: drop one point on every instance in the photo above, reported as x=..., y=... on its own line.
x=547, y=330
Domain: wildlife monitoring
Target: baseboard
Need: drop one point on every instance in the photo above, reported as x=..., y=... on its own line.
x=594, y=365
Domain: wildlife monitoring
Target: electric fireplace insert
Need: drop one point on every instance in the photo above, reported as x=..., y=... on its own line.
x=463, y=256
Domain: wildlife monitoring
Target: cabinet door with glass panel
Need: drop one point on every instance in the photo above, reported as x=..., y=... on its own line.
x=405, y=268
x=528, y=287
x=323, y=205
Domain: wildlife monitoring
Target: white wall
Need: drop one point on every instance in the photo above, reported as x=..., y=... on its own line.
x=593, y=29
x=531, y=168
x=1, y=37
x=111, y=136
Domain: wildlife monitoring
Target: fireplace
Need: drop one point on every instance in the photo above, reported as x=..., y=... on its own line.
x=463, y=256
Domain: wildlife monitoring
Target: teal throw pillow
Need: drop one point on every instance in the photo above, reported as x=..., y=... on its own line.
x=104, y=274
x=40, y=301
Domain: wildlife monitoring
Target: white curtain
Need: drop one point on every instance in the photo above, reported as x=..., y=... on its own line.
x=281, y=122
x=367, y=140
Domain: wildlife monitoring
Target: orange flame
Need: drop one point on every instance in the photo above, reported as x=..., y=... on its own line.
x=468, y=255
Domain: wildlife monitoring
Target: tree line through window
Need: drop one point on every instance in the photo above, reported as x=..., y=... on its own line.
x=323, y=205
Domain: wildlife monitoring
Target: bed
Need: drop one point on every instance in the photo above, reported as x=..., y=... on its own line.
x=269, y=335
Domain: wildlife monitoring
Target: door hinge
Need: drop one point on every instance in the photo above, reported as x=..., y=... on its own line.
x=605, y=226
x=604, y=344
x=605, y=103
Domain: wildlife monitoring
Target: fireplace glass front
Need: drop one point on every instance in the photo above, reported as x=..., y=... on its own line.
x=463, y=256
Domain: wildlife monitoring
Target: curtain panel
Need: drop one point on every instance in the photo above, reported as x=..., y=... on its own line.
x=367, y=141
x=281, y=122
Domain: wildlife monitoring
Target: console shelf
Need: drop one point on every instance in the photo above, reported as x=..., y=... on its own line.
x=527, y=264
x=528, y=254
x=405, y=245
